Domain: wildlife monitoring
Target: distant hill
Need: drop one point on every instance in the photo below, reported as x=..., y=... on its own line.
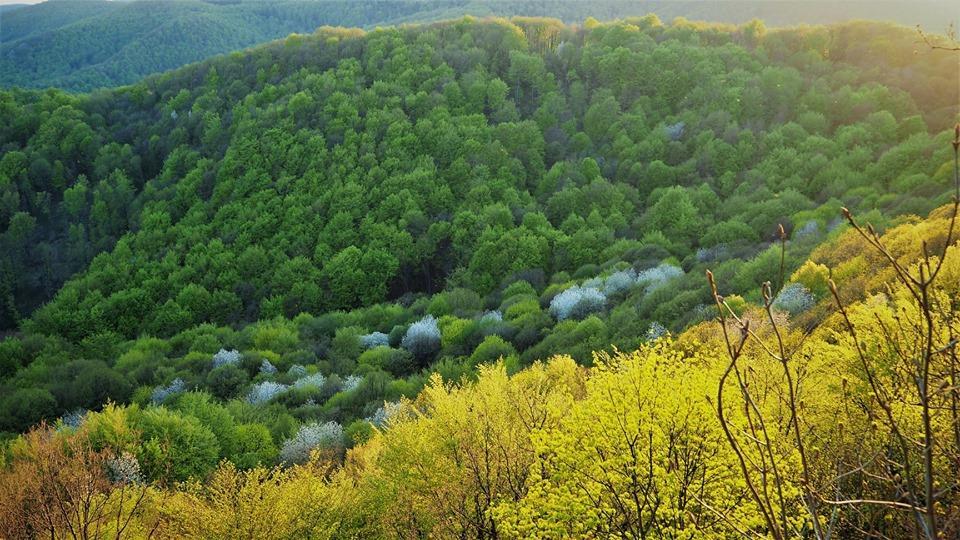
x=82, y=45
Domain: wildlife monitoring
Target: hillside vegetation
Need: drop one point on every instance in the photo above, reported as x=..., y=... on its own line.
x=386, y=283
x=87, y=44
x=558, y=451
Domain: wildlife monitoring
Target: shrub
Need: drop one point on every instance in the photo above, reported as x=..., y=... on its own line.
x=714, y=253
x=264, y=392
x=316, y=380
x=124, y=469
x=267, y=367
x=519, y=287
x=89, y=384
x=398, y=362
x=675, y=131
x=463, y=302
x=619, y=282
x=728, y=232
x=809, y=229
x=459, y=336
x=422, y=338
x=794, y=299
x=311, y=437
x=523, y=307
x=491, y=317
x=577, y=302
x=490, y=350
x=175, y=447
x=815, y=277
x=654, y=278
x=74, y=418
x=254, y=446
x=656, y=331
x=12, y=356
x=226, y=358
x=351, y=383
x=161, y=393
x=296, y=371
x=375, y=339
x=226, y=381
x=381, y=417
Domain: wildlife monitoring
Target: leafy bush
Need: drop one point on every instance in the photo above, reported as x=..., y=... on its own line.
x=815, y=277
x=24, y=407
x=254, y=446
x=490, y=350
x=175, y=447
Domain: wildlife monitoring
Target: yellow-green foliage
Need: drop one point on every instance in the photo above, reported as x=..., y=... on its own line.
x=641, y=455
x=259, y=503
x=814, y=277
x=859, y=269
x=446, y=459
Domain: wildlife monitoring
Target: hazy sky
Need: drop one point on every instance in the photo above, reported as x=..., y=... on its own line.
x=4, y=2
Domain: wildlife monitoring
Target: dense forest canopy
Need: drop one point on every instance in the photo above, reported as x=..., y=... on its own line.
x=352, y=254
x=87, y=44
x=570, y=182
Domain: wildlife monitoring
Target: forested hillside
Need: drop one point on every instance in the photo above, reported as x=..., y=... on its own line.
x=807, y=440
x=408, y=267
x=87, y=44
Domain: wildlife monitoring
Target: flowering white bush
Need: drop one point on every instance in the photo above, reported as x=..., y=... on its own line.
x=226, y=358
x=124, y=469
x=267, y=368
x=577, y=302
x=375, y=339
x=794, y=299
x=161, y=393
x=264, y=392
x=422, y=338
x=317, y=380
x=654, y=278
x=619, y=281
x=311, y=437
x=351, y=383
